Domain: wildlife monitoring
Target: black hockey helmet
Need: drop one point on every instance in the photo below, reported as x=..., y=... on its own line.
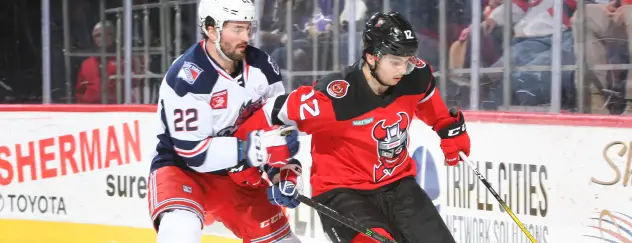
x=389, y=33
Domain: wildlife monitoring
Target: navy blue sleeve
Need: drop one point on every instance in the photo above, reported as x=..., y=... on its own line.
x=261, y=60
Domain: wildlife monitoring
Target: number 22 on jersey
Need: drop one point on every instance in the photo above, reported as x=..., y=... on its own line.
x=184, y=120
x=305, y=106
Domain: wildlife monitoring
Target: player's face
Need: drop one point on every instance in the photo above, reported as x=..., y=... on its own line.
x=391, y=69
x=235, y=37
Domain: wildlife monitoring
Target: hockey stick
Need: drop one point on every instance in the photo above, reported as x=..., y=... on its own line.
x=500, y=200
x=344, y=220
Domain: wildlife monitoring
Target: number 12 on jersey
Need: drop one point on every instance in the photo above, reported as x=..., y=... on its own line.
x=305, y=106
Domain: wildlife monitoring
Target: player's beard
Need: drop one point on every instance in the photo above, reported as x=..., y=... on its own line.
x=234, y=53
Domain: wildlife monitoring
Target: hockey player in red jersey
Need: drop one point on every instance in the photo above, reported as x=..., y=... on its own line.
x=201, y=169
x=360, y=124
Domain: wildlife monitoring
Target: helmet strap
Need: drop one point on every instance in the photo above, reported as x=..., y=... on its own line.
x=374, y=68
x=217, y=45
x=218, y=29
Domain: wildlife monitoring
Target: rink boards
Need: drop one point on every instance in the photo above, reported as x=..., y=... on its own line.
x=79, y=174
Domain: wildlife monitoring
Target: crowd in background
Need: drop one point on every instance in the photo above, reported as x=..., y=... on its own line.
x=312, y=35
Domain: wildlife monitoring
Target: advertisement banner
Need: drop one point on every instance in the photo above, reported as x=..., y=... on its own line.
x=84, y=169
x=68, y=172
x=565, y=183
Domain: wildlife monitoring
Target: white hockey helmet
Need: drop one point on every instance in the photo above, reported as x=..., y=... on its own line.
x=222, y=11
x=226, y=10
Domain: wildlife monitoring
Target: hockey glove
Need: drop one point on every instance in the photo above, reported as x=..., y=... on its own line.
x=284, y=191
x=272, y=146
x=246, y=176
x=453, y=134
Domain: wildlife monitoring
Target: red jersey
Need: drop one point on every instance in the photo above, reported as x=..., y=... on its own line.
x=88, y=89
x=359, y=139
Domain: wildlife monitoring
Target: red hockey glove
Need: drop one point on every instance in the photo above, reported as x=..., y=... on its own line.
x=246, y=176
x=453, y=134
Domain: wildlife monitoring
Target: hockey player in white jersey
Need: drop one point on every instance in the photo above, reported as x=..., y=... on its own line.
x=200, y=171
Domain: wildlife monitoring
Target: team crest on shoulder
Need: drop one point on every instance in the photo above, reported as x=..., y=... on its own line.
x=189, y=72
x=338, y=88
x=418, y=62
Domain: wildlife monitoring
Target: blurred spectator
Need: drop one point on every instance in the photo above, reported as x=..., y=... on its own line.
x=317, y=33
x=532, y=46
x=88, y=89
x=361, y=14
x=313, y=41
x=273, y=29
x=608, y=93
x=301, y=12
x=460, y=51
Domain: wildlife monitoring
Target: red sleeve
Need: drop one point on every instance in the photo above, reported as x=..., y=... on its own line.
x=311, y=110
x=432, y=110
x=88, y=88
x=257, y=121
x=80, y=88
x=307, y=108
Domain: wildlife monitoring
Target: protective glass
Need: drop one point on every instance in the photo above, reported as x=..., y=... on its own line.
x=251, y=30
x=404, y=65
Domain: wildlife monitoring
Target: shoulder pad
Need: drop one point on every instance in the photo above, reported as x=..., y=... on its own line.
x=421, y=66
x=419, y=80
x=262, y=61
x=192, y=73
x=333, y=85
x=419, y=63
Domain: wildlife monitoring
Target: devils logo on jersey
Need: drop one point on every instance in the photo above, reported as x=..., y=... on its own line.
x=338, y=88
x=392, y=145
x=417, y=62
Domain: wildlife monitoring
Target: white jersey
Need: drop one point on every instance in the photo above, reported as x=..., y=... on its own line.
x=534, y=18
x=201, y=106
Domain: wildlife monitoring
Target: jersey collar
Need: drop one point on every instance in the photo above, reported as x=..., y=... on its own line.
x=221, y=71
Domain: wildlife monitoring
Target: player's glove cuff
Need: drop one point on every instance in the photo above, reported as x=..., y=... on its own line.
x=241, y=152
x=454, y=138
x=452, y=126
x=273, y=146
x=286, y=188
x=289, y=172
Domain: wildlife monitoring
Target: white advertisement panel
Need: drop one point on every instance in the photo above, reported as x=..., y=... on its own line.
x=85, y=170
x=565, y=183
x=68, y=172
